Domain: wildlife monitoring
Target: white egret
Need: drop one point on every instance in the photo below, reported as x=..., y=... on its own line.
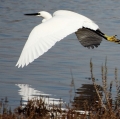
x=56, y=27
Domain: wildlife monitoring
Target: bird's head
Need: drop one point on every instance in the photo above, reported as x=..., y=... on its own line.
x=43, y=14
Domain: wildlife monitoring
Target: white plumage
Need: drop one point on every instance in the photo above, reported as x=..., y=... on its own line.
x=51, y=30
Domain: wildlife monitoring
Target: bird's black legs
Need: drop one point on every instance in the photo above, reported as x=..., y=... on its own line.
x=108, y=38
x=100, y=33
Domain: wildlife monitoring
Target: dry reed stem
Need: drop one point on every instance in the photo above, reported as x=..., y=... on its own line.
x=95, y=86
x=104, y=80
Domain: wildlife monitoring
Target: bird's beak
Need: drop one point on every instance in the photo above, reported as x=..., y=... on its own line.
x=32, y=14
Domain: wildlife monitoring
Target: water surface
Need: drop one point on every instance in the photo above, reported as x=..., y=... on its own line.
x=51, y=72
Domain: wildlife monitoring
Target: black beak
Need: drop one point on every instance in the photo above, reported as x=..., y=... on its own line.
x=33, y=14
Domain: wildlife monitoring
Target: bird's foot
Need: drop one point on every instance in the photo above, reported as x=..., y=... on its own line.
x=112, y=39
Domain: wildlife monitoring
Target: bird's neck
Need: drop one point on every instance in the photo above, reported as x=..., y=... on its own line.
x=46, y=17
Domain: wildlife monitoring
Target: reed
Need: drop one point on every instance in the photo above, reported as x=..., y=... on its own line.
x=91, y=101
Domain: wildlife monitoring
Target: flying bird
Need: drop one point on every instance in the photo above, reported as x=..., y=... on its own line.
x=56, y=27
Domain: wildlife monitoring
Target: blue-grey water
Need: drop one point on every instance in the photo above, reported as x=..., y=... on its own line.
x=50, y=73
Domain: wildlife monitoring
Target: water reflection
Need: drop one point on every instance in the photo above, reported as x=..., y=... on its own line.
x=27, y=92
x=51, y=73
x=86, y=93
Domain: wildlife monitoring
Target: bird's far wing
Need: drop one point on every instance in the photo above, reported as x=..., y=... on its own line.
x=45, y=35
x=88, y=38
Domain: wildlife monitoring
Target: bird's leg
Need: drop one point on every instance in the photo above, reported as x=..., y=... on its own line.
x=112, y=39
x=108, y=38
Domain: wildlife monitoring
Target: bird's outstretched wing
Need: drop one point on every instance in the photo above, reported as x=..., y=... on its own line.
x=88, y=38
x=45, y=35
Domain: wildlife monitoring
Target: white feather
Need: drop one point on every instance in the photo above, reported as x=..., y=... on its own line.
x=45, y=35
